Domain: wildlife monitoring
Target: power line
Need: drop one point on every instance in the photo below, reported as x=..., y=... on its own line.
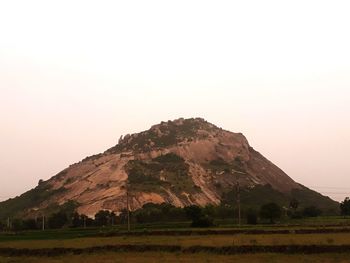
x=128, y=205
x=238, y=203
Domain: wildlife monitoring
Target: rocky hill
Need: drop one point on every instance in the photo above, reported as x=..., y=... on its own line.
x=182, y=162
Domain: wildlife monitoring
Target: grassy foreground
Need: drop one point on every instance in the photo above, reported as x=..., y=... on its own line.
x=173, y=257
x=187, y=241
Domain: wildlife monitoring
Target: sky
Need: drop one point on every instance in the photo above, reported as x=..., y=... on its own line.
x=75, y=75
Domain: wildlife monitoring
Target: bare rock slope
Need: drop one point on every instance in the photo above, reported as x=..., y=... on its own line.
x=182, y=162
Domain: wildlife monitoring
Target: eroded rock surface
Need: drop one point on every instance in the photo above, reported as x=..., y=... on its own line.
x=182, y=162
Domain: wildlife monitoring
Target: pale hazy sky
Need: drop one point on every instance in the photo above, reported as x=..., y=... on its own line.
x=75, y=75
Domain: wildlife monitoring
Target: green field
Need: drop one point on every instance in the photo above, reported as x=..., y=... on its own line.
x=188, y=241
x=306, y=242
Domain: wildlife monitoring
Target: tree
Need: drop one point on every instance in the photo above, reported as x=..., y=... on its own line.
x=294, y=204
x=113, y=219
x=199, y=219
x=209, y=210
x=293, y=212
x=29, y=224
x=69, y=208
x=225, y=211
x=101, y=218
x=58, y=220
x=345, y=207
x=17, y=224
x=311, y=211
x=123, y=216
x=150, y=214
x=104, y=218
x=193, y=212
x=252, y=217
x=271, y=211
x=203, y=221
x=77, y=220
x=81, y=220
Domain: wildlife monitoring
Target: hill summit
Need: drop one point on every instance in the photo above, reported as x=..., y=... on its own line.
x=181, y=162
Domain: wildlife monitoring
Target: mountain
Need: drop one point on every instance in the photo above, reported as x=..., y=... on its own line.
x=182, y=162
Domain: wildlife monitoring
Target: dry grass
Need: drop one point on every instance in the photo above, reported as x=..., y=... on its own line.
x=185, y=241
x=172, y=257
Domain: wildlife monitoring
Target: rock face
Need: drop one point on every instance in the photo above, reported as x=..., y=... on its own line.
x=182, y=162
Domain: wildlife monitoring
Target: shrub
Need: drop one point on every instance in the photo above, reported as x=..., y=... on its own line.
x=203, y=221
x=104, y=218
x=193, y=212
x=170, y=157
x=271, y=211
x=199, y=219
x=29, y=224
x=311, y=211
x=252, y=217
x=295, y=214
x=17, y=224
x=58, y=220
x=345, y=207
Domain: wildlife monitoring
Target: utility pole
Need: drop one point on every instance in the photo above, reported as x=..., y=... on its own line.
x=127, y=205
x=238, y=203
x=43, y=223
x=8, y=223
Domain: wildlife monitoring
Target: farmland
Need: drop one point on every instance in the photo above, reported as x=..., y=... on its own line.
x=188, y=258
x=323, y=241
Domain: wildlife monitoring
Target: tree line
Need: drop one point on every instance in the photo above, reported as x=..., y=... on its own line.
x=160, y=213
